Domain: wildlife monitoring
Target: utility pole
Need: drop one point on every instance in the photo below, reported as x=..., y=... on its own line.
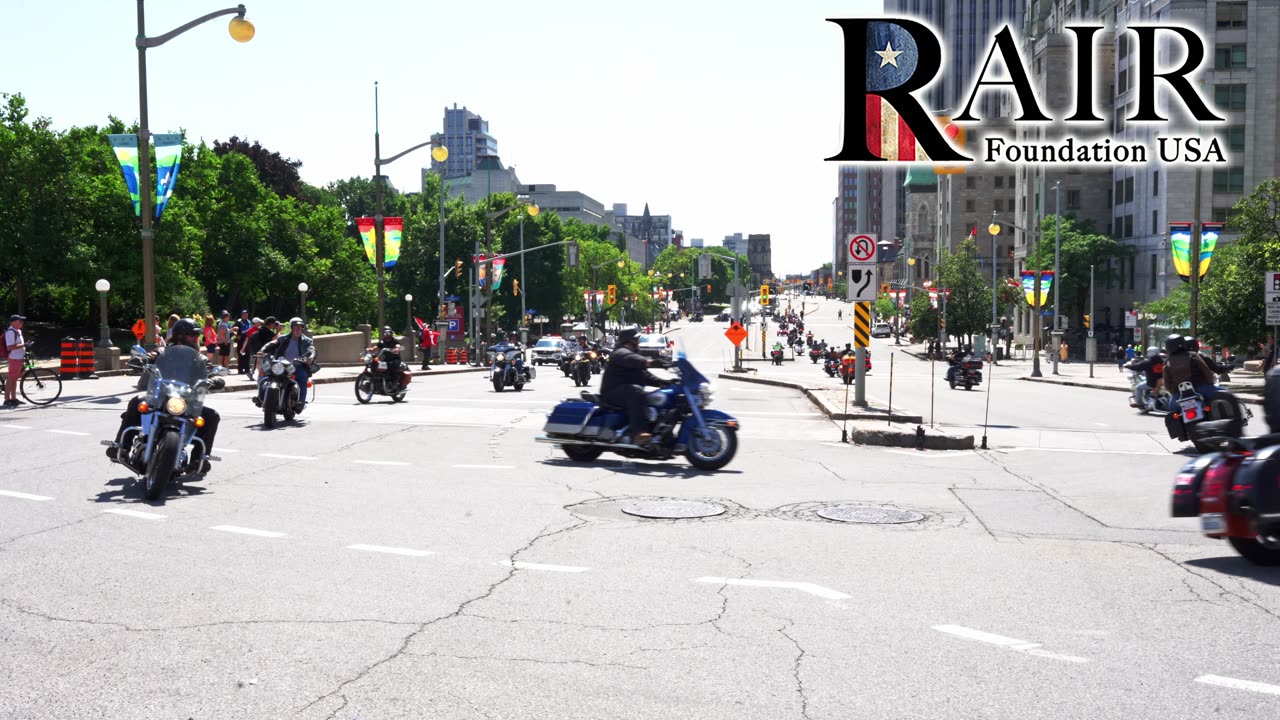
x=1057, y=266
x=1195, y=258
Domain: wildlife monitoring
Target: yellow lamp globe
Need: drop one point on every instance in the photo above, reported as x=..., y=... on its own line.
x=534, y=210
x=993, y=228
x=622, y=263
x=241, y=29
x=910, y=261
x=440, y=153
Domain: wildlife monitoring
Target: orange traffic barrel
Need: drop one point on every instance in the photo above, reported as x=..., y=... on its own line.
x=70, y=359
x=451, y=356
x=462, y=356
x=87, y=364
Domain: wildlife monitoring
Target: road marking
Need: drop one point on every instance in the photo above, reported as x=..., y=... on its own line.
x=932, y=453
x=285, y=457
x=484, y=467
x=247, y=531
x=1101, y=424
x=1078, y=450
x=810, y=588
x=378, y=462
x=391, y=550
x=1239, y=684
x=17, y=427
x=68, y=432
x=778, y=414
x=1007, y=642
x=540, y=566
x=137, y=514
x=23, y=496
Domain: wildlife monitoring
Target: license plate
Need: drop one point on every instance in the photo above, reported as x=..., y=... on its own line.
x=1191, y=409
x=1212, y=523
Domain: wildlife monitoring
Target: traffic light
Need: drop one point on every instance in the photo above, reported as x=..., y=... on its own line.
x=612, y=295
x=708, y=288
x=458, y=269
x=1086, y=322
x=764, y=294
x=515, y=286
x=884, y=288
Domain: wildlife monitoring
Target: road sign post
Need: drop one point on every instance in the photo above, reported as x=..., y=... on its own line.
x=861, y=341
x=862, y=282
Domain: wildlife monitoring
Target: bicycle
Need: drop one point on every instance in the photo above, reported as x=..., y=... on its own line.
x=40, y=386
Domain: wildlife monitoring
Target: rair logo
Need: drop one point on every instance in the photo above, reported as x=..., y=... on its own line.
x=888, y=60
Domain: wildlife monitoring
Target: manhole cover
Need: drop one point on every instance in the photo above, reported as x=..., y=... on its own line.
x=673, y=509
x=864, y=514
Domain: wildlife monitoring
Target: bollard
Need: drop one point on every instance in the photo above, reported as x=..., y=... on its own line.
x=70, y=367
x=86, y=364
x=919, y=437
x=890, y=419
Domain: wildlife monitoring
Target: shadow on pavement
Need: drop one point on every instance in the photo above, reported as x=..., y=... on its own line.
x=1238, y=567
x=131, y=491
x=645, y=468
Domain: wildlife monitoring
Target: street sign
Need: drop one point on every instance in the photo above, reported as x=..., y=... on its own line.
x=140, y=329
x=1271, y=290
x=862, y=282
x=452, y=298
x=862, y=248
x=704, y=266
x=862, y=324
x=735, y=333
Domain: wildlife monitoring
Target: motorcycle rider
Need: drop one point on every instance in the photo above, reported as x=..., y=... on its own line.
x=184, y=348
x=1186, y=366
x=388, y=350
x=294, y=346
x=953, y=363
x=624, y=381
x=1153, y=369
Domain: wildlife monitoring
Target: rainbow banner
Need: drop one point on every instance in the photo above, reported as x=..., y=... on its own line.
x=1180, y=242
x=1209, y=234
x=366, y=227
x=1029, y=286
x=499, y=266
x=168, y=158
x=391, y=232
x=126, y=149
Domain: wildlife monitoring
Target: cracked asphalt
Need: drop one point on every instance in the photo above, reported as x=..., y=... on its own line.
x=474, y=573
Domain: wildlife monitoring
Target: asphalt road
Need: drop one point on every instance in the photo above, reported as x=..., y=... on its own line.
x=429, y=560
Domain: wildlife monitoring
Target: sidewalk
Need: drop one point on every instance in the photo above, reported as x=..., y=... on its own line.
x=1247, y=386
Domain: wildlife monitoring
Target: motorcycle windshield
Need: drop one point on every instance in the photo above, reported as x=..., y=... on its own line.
x=689, y=375
x=180, y=371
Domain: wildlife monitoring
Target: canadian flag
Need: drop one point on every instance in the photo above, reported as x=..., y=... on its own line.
x=973, y=234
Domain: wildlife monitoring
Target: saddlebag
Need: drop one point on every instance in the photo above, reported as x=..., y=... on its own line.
x=570, y=418
x=406, y=377
x=1186, y=486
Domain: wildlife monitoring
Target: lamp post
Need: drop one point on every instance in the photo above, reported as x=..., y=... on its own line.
x=241, y=30
x=408, y=326
x=1057, y=265
x=440, y=153
x=103, y=286
x=994, y=229
x=302, y=305
x=533, y=212
x=531, y=209
x=595, y=287
x=379, y=235
x=1039, y=301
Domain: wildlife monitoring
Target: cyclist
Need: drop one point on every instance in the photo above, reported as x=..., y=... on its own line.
x=16, y=350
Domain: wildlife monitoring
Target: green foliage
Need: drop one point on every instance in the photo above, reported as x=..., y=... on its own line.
x=1231, y=307
x=885, y=308
x=924, y=317
x=1080, y=247
x=969, y=302
x=1175, y=308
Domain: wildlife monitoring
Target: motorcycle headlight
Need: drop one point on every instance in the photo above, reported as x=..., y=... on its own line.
x=277, y=368
x=175, y=406
x=705, y=394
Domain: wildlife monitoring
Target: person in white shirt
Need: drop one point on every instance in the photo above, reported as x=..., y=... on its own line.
x=17, y=350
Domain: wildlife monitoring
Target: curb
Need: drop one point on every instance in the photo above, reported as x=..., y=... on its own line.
x=864, y=435
x=1247, y=399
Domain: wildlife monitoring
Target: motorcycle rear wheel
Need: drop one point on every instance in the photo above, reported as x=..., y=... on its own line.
x=581, y=453
x=364, y=388
x=399, y=397
x=1255, y=552
x=160, y=470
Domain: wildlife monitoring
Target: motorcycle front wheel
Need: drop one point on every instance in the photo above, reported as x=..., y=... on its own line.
x=364, y=388
x=160, y=469
x=712, y=448
x=581, y=453
x=497, y=384
x=289, y=413
x=269, y=404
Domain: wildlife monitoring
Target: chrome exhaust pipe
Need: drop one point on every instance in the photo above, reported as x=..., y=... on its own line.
x=571, y=441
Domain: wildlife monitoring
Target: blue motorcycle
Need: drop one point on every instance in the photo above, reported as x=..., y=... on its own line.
x=508, y=368
x=680, y=419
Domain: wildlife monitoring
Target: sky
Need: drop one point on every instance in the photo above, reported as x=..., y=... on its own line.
x=719, y=113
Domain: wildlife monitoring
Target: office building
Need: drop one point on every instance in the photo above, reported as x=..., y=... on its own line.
x=467, y=137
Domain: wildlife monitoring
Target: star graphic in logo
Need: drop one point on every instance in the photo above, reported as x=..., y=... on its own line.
x=888, y=56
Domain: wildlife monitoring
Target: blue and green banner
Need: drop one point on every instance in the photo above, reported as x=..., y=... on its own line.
x=1029, y=286
x=168, y=157
x=1180, y=243
x=126, y=149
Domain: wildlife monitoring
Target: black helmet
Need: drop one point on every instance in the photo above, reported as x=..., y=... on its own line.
x=1152, y=352
x=1175, y=344
x=185, y=327
x=1193, y=345
x=386, y=330
x=628, y=334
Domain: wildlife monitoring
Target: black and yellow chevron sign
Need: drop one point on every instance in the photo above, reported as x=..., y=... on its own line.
x=862, y=324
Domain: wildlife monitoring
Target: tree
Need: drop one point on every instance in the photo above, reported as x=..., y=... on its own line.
x=1231, y=307
x=278, y=173
x=924, y=317
x=885, y=308
x=969, y=300
x=1080, y=246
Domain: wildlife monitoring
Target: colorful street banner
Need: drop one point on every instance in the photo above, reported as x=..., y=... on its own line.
x=168, y=158
x=365, y=226
x=126, y=149
x=1180, y=242
x=1029, y=286
x=1209, y=234
x=499, y=266
x=391, y=229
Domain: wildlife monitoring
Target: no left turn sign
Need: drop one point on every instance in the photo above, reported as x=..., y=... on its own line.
x=862, y=248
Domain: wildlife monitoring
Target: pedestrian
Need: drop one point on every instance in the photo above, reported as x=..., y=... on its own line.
x=224, y=340
x=210, y=337
x=1062, y=351
x=243, y=326
x=1129, y=354
x=159, y=331
x=1117, y=354
x=16, y=350
x=1269, y=355
x=430, y=339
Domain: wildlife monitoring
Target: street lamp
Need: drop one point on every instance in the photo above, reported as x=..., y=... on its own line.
x=242, y=31
x=440, y=153
x=1035, y=310
x=531, y=209
x=103, y=286
x=408, y=326
x=594, y=287
x=994, y=229
x=302, y=290
x=532, y=212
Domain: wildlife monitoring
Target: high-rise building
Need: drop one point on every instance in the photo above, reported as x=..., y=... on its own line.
x=735, y=242
x=467, y=137
x=760, y=257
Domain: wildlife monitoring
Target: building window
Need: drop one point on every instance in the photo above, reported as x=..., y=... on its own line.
x=1153, y=271
x=1123, y=85
x=968, y=206
x=1235, y=138
x=1229, y=97
x=999, y=181
x=1132, y=268
x=1155, y=222
x=1229, y=180
x=1155, y=184
x=1128, y=189
x=1119, y=193
x=999, y=205
x=1073, y=199
x=1128, y=232
x=1123, y=42
x=970, y=182
x=1232, y=15
x=1221, y=214
x=1229, y=57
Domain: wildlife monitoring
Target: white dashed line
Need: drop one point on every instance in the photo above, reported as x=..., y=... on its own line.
x=136, y=514
x=765, y=413
x=932, y=453
x=1235, y=684
x=540, y=566
x=17, y=427
x=818, y=590
x=247, y=531
x=23, y=496
x=226, y=450
x=285, y=457
x=1006, y=642
x=378, y=462
x=68, y=432
x=1081, y=450
x=484, y=467
x=391, y=550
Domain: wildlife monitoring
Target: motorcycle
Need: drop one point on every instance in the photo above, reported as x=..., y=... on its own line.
x=509, y=370
x=776, y=356
x=164, y=447
x=1149, y=402
x=815, y=354
x=845, y=369
x=581, y=372
x=1206, y=426
x=1236, y=496
x=831, y=366
x=682, y=423
x=280, y=393
x=216, y=380
x=376, y=379
x=967, y=372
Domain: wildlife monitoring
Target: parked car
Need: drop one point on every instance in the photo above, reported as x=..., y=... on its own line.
x=881, y=330
x=656, y=346
x=548, y=351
